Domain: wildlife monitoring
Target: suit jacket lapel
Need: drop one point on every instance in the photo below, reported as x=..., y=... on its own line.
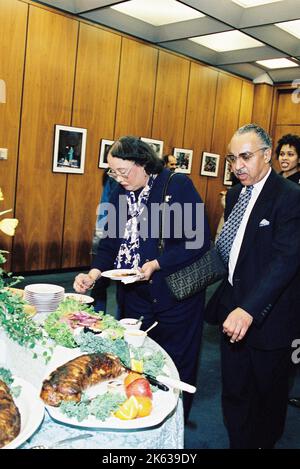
x=263, y=202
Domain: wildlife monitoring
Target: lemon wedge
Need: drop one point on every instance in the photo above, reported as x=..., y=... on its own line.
x=137, y=365
x=128, y=410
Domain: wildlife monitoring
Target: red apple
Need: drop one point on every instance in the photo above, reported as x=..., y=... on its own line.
x=139, y=387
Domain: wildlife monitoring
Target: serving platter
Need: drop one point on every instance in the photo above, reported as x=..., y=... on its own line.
x=31, y=409
x=163, y=404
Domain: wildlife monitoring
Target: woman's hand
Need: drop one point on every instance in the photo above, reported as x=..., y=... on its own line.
x=84, y=282
x=148, y=268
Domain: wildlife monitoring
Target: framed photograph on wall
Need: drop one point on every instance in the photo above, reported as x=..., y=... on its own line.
x=184, y=160
x=104, y=149
x=69, y=149
x=227, y=181
x=157, y=145
x=210, y=164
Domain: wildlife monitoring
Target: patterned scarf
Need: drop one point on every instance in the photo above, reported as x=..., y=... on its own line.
x=129, y=256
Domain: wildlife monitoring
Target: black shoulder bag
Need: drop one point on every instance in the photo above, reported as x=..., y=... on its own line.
x=195, y=277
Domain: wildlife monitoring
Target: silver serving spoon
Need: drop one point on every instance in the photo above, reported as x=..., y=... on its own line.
x=151, y=327
x=62, y=442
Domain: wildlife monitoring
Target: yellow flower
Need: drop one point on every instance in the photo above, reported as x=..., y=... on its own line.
x=8, y=226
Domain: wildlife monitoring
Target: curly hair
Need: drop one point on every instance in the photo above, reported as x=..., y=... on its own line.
x=134, y=149
x=288, y=139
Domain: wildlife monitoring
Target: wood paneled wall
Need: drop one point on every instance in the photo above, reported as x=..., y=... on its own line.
x=286, y=119
x=170, y=100
x=228, y=99
x=70, y=72
x=47, y=99
x=200, y=118
x=13, y=22
x=135, y=104
x=262, y=106
x=95, y=96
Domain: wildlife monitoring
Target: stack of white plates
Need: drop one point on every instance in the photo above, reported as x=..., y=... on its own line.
x=44, y=296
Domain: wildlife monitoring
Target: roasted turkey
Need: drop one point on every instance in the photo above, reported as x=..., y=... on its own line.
x=10, y=419
x=68, y=381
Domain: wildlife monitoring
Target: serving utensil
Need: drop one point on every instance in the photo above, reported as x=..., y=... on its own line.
x=151, y=327
x=162, y=381
x=150, y=378
x=176, y=383
x=65, y=440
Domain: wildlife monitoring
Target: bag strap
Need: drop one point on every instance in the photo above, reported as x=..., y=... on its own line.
x=161, y=241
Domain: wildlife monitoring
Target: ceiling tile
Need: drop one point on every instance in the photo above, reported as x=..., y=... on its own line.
x=291, y=27
x=253, y=3
x=158, y=12
x=258, y=22
x=227, y=41
x=277, y=63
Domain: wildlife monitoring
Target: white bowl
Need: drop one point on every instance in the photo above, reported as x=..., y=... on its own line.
x=130, y=323
x=135, y=337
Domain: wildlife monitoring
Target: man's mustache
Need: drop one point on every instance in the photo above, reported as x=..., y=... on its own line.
x=239, y=172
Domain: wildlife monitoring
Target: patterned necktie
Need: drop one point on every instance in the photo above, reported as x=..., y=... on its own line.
x=230, y=228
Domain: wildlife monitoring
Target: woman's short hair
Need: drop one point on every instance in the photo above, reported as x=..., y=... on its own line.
x=134, y=149
x=291, y=140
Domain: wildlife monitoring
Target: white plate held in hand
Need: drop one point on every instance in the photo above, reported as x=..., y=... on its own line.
x=124, y=275
x=81, y=298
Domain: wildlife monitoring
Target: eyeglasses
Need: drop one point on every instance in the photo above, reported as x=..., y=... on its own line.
x=245, y=156
x=122, y=173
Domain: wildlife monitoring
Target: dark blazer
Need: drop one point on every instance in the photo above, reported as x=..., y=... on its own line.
x=175, y=255
x=266, y=280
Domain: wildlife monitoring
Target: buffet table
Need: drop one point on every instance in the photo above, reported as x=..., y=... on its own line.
x=168, y=434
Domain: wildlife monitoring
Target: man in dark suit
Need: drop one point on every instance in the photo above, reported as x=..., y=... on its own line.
x=258, y=305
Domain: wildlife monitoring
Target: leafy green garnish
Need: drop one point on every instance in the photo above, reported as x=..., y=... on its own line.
x=101, y=406
x=7, y=279
x=91, y=343
x=6, y=376
x=62, y=333
x=152, y=363
x=19, y=326
x=59, y=331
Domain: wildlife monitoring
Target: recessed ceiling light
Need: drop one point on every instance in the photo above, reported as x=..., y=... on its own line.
x=292, y=27
x=277, y=63
x=230, y=40
x=253, y=3
x=158, y=12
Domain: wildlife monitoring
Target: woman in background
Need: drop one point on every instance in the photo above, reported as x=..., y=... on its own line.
x=288, y=155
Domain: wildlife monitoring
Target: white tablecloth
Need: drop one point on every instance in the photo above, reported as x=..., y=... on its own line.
x=167, y=435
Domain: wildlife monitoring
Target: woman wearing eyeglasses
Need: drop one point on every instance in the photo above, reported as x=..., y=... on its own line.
x=142, y=178
x=288, y=155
